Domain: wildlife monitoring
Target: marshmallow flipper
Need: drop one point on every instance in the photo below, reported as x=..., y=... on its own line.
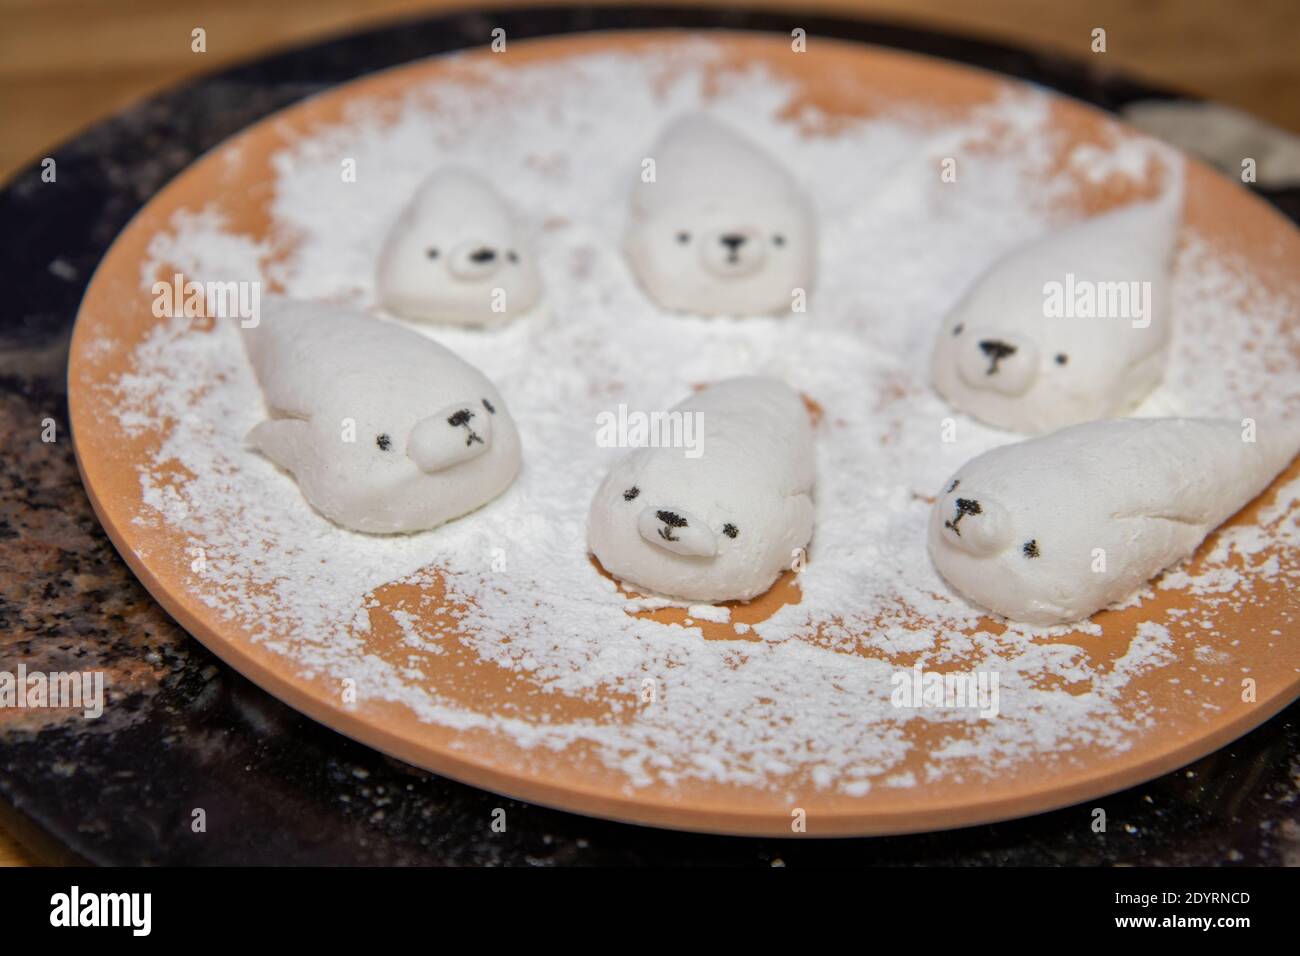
x=1053, y=529
x=457, y=255
x=721, y=228
x=384, y=430
x=719, y=517
x=1067, y=328
x=284, y=441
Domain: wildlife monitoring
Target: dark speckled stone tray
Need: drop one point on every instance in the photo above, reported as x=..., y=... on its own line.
x=182, y=731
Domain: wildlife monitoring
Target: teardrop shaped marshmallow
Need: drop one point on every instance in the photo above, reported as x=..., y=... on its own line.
x=721, y=228
x=1067, y=328
x=719, y=514
x=457, y=255
x=384, y=430
x=1052, y=529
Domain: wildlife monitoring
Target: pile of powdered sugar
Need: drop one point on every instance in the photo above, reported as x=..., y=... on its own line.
x=806, y=692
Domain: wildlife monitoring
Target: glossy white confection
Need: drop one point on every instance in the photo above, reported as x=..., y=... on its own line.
x=1017, y=529
x=1001, y=358
x=432, y=438
x=723, y=229
x=721, y=526
x=457, y=256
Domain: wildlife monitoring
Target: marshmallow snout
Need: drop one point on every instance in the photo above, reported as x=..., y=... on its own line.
x=474, y=261
x=976, y=524
x=448, y=437
x=678, y=531
x=992, y=360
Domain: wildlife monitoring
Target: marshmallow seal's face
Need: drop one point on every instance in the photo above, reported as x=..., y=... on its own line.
x=1030, y=373
x=724, y=256
x=400, y=470
x=456, y=255
x=666, y=525
x=983, y=543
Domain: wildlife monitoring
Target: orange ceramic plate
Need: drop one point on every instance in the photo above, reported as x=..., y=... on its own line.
x=237, y=178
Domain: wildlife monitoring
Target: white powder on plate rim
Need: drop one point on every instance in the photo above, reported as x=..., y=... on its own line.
x=806, y=692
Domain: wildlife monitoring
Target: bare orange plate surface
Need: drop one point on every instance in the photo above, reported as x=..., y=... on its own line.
x=841, y=80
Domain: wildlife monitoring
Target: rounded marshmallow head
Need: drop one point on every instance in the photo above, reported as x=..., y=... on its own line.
x=412, y=465
x=721, y=526
x=1064, y=329
x=996, y=545
x=457, y=255
x=659, y=523
x=722, y=229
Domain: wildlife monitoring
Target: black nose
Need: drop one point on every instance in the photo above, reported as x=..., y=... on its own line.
x=996, y=349
x=671, y=518
x=965, y=506
x=733, y=240
x=482, y=255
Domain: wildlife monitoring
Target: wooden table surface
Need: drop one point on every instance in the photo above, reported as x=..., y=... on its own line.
x=65, y=64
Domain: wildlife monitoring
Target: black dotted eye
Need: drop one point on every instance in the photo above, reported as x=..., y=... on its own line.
x=730, y=530
x=958, y=328
x=631, y=493
x=488, y=406
x=778, y=240
x=1062, y=358
x=683, y=237
x=1030, y=548
x=384, y=442
x=512, y=256
x=431, y=253
x=460, y=418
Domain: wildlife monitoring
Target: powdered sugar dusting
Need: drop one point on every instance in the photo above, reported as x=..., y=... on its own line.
x=806, y=692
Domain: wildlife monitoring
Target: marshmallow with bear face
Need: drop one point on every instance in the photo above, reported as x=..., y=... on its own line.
x=457, y=255
x=385, y=430
x=1052, y=529
x=1067, y=328
x=722, y=525
x=722, y=229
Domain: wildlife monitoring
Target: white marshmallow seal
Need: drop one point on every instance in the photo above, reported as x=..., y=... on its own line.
x=385, y=430
x=1049, y=530
x=457, y=255
x=721, y=526
x=722, y=229
x=1068, y=328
